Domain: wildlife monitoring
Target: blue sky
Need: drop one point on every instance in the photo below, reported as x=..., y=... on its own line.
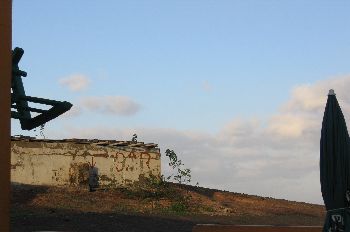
x=192, y=71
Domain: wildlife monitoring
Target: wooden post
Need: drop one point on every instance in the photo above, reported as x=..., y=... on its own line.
x=5, y=111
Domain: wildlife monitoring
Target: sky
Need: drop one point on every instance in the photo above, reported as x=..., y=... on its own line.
x=236, y=88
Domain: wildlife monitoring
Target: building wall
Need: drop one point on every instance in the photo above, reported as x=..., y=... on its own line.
x=67, y=163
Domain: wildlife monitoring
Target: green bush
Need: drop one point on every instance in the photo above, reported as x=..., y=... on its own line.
x=183, y=175
x=179, y=207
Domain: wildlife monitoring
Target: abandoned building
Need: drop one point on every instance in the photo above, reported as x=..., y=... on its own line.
x=67, y=161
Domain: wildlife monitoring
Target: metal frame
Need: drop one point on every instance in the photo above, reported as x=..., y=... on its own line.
x=19, y=100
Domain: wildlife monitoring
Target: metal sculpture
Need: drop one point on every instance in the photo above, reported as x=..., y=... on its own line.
x=19, y=100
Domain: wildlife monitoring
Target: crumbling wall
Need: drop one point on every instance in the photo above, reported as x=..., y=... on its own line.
x=53, y=162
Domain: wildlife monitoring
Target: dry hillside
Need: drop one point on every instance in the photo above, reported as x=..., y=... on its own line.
x=149, y=207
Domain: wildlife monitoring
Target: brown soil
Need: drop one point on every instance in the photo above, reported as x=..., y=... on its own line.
x=170, y=208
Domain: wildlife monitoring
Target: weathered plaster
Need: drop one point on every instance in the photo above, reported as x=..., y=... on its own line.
x=55, y=162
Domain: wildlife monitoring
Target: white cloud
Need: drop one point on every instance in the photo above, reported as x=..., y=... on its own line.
x=73, y=112
x=288, y=125
x=118, y=105
x=206, y=86
x=277, y=158
x=76, y=82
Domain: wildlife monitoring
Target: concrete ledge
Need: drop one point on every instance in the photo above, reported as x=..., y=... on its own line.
x=254, y=228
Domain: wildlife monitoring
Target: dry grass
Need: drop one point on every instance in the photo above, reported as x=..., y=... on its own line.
x=167, y=199
x=146, y=207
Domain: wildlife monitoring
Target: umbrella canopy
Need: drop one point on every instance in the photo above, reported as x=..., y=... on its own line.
x=335, y=166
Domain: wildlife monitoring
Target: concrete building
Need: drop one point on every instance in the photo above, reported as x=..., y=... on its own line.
x=68, y=161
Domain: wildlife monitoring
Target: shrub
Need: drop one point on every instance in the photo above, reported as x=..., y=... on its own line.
x=183, y=175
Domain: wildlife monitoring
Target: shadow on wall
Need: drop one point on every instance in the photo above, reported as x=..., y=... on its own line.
x=93, y=179
x=83, y=174
x=93, y=176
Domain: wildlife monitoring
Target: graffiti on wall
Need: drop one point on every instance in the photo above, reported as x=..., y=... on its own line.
x=62, y=162
x=120, y=159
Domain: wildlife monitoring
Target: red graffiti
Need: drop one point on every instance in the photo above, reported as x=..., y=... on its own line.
x=123, y=162
x=132, y=155
x=148, y=158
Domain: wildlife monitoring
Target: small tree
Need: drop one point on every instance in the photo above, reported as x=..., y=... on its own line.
x=183, y=175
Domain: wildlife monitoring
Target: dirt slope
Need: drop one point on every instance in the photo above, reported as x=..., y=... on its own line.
x=171, y=207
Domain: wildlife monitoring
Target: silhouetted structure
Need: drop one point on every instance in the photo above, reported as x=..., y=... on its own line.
x=19, y=100
x=335, y=167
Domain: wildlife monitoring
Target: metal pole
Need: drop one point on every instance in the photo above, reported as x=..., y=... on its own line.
x=5, y=111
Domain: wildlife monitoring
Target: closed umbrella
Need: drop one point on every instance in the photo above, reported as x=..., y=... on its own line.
x=335, y=167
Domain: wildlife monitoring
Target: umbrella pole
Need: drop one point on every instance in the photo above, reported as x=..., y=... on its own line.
x=5, y=111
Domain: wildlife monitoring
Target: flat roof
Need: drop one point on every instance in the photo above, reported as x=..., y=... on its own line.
x=98, y=142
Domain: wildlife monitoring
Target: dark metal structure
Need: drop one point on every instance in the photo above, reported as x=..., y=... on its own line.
x=335, y=167
x=19, y=100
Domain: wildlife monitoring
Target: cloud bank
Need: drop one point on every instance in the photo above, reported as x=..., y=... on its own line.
x=277, y=158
